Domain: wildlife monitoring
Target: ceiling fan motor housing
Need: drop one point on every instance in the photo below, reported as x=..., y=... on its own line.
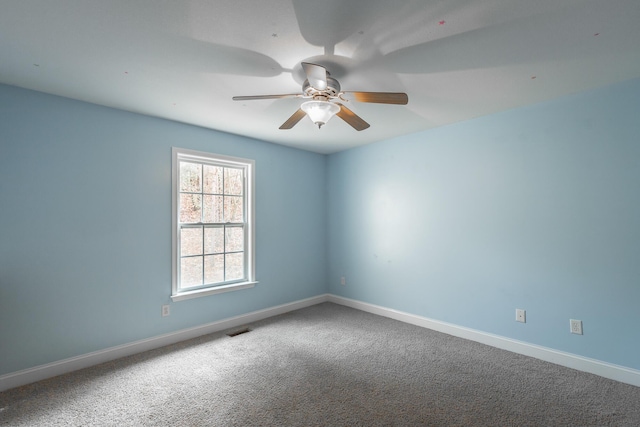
x=332, y=90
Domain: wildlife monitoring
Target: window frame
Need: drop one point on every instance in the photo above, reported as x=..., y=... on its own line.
x=248, y=165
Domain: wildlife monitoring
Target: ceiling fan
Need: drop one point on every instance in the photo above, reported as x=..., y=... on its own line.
x=325, y=94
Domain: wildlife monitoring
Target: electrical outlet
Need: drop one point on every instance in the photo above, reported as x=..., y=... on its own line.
x=166, y=310
x=343, y=281
x=521, y=315
x=576, y=326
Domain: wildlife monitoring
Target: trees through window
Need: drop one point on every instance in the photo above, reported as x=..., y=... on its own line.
x=213, y=223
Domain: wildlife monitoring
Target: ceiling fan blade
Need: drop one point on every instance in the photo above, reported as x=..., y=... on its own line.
x=293, y=120
x=398, y=98
x=351, y=118
x=326, y=23
x=247, y=98
x=316, y=74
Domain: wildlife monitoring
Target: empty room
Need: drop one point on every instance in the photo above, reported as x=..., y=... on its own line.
x=319, y=213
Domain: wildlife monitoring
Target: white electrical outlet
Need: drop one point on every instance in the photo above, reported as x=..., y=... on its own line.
x=576, y=326
x=521, y=315
x=166, y=310
x=343, y=281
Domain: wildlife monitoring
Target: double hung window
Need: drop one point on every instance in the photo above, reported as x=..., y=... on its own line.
x=212, y=224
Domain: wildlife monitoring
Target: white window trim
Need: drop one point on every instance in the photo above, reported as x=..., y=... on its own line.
x=182, y=154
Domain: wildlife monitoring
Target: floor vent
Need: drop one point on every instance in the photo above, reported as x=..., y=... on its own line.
x=238, y=332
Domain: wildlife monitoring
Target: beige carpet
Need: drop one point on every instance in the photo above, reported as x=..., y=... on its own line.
x=325, y=365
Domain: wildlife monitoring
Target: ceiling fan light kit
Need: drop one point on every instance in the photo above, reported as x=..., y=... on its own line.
x=320, y=112
x=325, y=93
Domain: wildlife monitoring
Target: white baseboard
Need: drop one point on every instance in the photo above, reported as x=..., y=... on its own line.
x=37, y=373
x=597, y=367
x=580, y=363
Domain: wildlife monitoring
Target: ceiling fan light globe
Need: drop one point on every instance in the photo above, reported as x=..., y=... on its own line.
x=320, y=112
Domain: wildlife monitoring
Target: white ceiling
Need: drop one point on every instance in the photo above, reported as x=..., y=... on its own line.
x=184, y=60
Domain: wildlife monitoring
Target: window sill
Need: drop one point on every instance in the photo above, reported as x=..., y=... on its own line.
x=211, y=291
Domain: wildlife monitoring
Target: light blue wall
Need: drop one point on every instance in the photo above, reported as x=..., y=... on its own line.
x=85, y=226
x=535, y=208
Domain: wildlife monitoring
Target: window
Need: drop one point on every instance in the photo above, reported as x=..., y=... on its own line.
x=212, y=224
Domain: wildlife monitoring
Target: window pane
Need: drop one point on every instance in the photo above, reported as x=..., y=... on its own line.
x=233, y=209
x=233, y=182
x=213, y=240
x=212, y=209
x=191, y=271
x=190, y=241
x=190, y=177
x=234, y=239
x=213, y=195
x=234, y=266
x=212, y=179
x=190, y=207
x=214, y=269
